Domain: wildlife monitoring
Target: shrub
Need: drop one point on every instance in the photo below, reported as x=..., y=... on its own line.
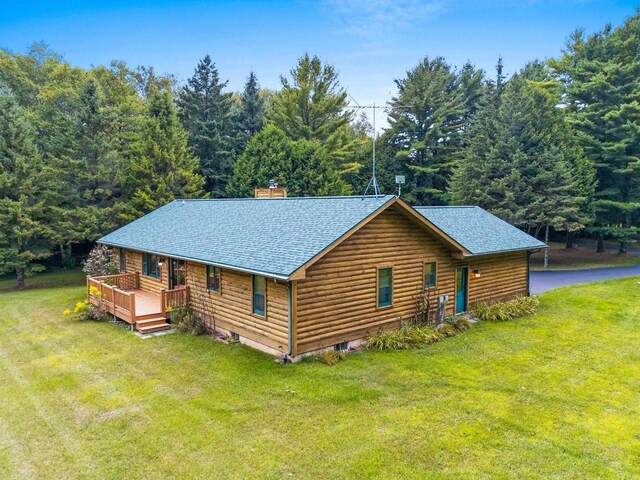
x=185, y=321
x=447, y=330
x=83, y=310
x=100, y=262
x=407, y=337
x=460, y=323
x=330, y=357
x=504, y=311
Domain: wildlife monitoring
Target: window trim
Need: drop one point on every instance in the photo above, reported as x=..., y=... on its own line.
x=378, y=306
x=209, y=288
x=253, y=297
x=424, y=274
x=122, y=259
x=146, y=258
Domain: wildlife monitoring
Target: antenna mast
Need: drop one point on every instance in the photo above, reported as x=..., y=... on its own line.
x=373, y=183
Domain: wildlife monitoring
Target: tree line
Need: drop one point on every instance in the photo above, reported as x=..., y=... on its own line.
x=84, y=151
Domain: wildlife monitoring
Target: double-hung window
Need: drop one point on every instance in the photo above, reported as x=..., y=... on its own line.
x=151, y=265
x=385, y=287
x=430, y=275
x=213, y=278
x=259, y=287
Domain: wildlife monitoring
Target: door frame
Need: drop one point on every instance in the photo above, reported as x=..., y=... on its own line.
x=466, y=290
x=171, y=285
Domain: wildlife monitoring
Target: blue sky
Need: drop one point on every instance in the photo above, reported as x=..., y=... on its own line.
x=370, y=42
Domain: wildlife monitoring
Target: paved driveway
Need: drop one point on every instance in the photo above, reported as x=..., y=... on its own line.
x=543, y=281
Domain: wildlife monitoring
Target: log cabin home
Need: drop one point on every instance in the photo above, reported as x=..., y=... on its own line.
x=291, y=276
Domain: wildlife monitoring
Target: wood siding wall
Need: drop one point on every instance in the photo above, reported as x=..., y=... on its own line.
x=231, y=308
x=337, y=301
x=133, y=263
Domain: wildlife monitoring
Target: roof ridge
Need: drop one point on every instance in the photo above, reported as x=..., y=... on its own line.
x=330, y=197
x=447, y=206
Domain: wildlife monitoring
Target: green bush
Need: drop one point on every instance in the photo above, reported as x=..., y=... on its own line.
x=407, y=337
x=185, y=321
x=447, y=330
x=504, y=311
x=330, y=357
x=460, y=323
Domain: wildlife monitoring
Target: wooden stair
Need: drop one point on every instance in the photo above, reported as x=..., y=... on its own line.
x=151, y=325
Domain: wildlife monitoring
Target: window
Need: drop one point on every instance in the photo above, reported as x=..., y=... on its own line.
x=151, y=265
x=122, y=257
x=213, y=278
x=430, y=275
x=259, y=285
x=385, y=283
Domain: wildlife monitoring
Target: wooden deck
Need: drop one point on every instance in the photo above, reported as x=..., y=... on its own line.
x=120, y=295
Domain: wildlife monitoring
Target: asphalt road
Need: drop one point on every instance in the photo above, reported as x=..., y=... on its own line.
x=542, y=281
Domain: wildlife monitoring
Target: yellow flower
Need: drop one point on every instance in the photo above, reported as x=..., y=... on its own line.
x=67, y=312
x=169, y=309
x=94, y=292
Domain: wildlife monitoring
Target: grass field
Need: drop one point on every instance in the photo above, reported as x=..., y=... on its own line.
x=49, y=279
x=552, y=395
x=579, y=258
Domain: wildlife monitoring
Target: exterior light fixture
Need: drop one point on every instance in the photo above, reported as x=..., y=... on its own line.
x=476, y=273
x=160, y=262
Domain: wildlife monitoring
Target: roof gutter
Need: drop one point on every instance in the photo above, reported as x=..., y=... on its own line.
x=287, y=355
x=204, y=262
x=511, y=250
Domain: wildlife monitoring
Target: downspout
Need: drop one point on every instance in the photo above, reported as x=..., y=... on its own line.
x=286, y=358
x=528, y=274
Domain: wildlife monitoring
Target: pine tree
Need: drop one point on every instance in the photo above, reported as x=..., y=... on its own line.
x=311, y=104
x=252, y=110
x=600, y=74
x=23, y=219
x=427, y=118
x=522, y=161
x=207, y=115
x=160, y=167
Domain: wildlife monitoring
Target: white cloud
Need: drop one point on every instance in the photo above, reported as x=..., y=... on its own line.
x=375, y=18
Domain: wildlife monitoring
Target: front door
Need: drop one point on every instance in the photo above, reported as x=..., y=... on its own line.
x=177, y=273
x=462, y=275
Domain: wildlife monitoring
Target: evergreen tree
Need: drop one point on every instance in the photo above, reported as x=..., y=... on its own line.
x=252, y=110
x=160, y=167
x=207, y=115
x=522, y=161
x=312, y=104
x=427, y=118
x=303, y=166
x=600, y=74
x=23, y=222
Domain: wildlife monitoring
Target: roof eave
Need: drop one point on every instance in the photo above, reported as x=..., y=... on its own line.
x=277, y=276
x=510, y=250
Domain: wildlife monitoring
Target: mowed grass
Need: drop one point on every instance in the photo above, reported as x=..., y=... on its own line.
x=552, y=395
x=580, y=258
x=48, y=279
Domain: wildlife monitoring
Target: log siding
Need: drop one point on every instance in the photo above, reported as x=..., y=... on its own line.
x=337, y=300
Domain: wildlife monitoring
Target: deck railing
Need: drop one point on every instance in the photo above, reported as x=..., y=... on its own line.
x=124, y=281
x=175, y=298
x=113, y=298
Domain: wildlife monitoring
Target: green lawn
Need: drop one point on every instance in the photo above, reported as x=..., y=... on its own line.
x=580, y=258
x=553, y=395
x=48, y=279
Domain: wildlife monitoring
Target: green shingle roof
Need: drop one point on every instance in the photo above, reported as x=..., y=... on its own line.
x=273, y=237
x=478, y=231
